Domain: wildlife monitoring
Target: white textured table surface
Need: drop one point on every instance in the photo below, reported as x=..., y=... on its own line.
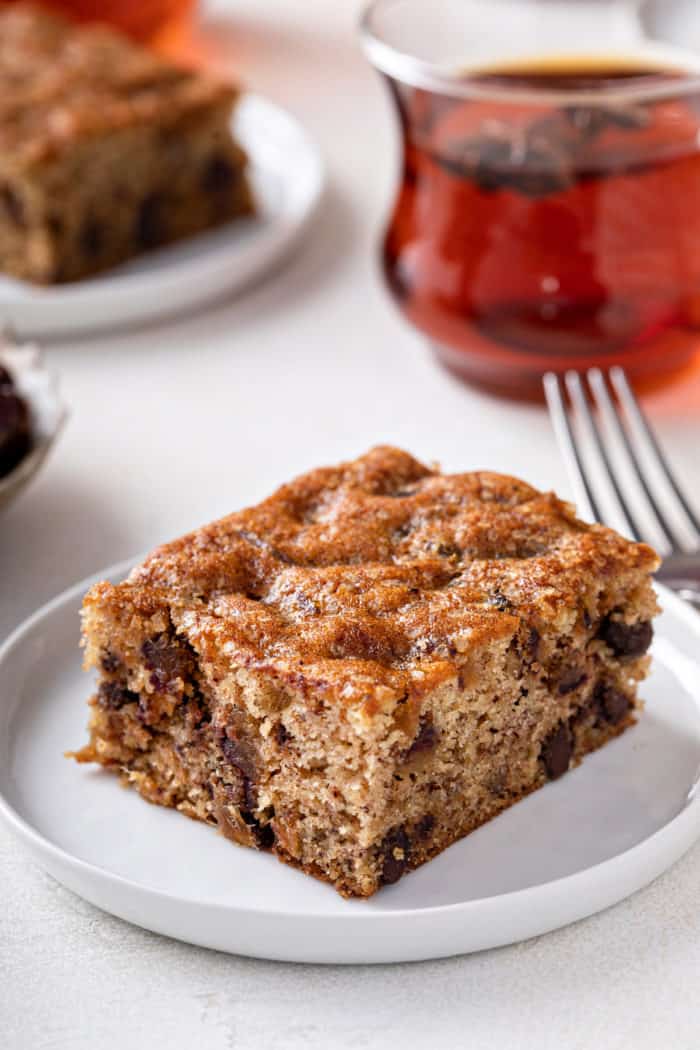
x=174, y=425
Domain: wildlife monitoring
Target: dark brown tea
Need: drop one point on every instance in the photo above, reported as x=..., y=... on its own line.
x=530, y=234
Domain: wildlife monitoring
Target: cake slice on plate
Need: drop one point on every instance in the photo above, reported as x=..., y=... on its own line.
x=369, y=664
x=106, y=150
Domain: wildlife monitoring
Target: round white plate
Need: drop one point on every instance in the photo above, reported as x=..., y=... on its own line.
x=574, y=847
x=287, y=175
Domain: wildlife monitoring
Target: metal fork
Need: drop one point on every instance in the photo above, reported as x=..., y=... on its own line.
x=619, y=473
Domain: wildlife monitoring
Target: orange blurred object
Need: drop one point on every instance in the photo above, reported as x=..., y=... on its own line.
x=154, y=21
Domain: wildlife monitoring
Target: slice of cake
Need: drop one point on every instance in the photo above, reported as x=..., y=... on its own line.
x=106, y=150
x=369, y=664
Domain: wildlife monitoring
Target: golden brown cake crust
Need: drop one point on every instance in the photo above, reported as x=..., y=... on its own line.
x=376, y=576
x=61, y=83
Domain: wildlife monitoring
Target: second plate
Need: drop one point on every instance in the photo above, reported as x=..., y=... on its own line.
x=287, y=175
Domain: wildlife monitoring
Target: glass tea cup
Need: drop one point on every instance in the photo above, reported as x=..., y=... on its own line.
x=548, y=214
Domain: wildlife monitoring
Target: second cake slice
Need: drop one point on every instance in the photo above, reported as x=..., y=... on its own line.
x=106, y=150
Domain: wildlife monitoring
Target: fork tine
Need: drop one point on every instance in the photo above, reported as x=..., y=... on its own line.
x=638, y=422
x=580, y=400
x=608, y=410
x=569, y=449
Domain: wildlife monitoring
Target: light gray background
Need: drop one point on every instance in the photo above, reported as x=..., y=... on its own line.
x=174, y=425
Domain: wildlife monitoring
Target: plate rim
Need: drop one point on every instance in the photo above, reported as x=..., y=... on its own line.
x=301, y=205
x=682, y=830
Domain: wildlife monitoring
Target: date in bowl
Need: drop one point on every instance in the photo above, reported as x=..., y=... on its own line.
x=32, y=414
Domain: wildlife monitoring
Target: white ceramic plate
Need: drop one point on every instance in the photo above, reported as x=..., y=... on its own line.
x=571, y=849
x=287, y=176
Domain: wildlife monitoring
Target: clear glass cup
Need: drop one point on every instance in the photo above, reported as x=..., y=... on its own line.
x=548, y=213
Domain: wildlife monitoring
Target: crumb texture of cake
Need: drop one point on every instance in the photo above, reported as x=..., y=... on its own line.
x=106, y=150
x=369, y=664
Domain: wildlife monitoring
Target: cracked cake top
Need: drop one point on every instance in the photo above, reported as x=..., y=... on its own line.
x=380, y=572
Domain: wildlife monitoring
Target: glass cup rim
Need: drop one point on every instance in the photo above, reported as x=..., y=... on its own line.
x=407, y=68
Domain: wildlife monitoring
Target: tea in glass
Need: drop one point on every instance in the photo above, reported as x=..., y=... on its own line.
x=548, y=215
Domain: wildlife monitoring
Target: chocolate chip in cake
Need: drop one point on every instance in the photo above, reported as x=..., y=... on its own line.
x=395, y=851
x=612, y=704
x=219, y=175
x=263, y=834
x=281, y=734
x=426, y=737
x=168, y=659
x=626, y=639
x=556, y=751
x=110, y=662
x=571, y=678
x=239, y=755
x=424, y=826
x=149, y=230
x=112, y=696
